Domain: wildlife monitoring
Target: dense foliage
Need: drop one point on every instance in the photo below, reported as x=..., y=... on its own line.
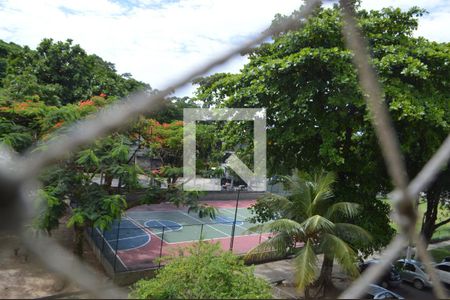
x=59, y=73
x=43, y=92
x=311, y=217
x=316, y=114
x=316, y=118
x=203, y=271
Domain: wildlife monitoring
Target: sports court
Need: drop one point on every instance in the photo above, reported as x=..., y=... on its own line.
x=147, y=232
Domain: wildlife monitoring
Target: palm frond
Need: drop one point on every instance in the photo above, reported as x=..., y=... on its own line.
x=279, y=199
x=257, y=229
x=352, y=233
x=286, y=226
x=282, y=203
x=306, y=266
x=278, y=245
x=322, y=188
x=298, y=188
x=345, y=209
x=333, y=246
x=317, y=223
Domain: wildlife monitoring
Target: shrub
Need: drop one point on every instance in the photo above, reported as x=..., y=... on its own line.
x=203, y=271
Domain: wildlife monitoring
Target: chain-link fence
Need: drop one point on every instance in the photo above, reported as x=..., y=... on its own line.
x=125, y=248
x=17, y=174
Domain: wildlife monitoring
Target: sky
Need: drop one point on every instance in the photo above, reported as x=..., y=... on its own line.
x=158, y=41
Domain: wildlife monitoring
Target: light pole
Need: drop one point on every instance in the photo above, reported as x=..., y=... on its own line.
x=234, y=222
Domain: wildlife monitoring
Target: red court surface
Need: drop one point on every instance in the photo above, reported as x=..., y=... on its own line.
x=146, y=256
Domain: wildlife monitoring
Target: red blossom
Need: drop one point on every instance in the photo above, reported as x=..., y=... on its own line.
x=59, y=124
x=22, y=105
x=103, y=95
x=158, y=139
x=86, y=103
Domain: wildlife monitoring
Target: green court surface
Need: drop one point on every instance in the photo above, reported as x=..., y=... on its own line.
x=178, y=226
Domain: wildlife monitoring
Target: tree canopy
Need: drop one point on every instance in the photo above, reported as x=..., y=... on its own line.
x=316, y=114
x=43, y=92
x=310, y=215
x=203, y=271
x=59, y=73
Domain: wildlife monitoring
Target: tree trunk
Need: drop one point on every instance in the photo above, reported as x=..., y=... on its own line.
x=119, y=185
x=108, y=180
x=325, y=282
x=78, y=240
x=430, y=216
x=307, y=292
x=434, y=195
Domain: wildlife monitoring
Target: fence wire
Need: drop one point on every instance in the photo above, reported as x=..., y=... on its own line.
x=131, y=245
x=17, y=174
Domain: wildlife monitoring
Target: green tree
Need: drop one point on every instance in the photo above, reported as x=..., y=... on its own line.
x=316, y=114
x=50, y=211
x=5, y=50
x=59, y=73
x=20, y=123
x=93, y=203
x=203, y=271
x=85, y=178
x=76, y=179
x=14, y=135
x=310, y=215
x=171, y=109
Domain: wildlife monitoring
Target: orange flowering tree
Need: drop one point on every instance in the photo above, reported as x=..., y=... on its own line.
x=96, y=177
x=86, y=178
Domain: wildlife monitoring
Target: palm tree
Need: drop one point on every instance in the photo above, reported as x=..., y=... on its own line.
x=311, y=216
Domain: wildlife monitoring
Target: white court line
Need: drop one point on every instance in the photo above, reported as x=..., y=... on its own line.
x=115, y=252
x=242, y=227
x=127, y=238
x=215, y=239
x=224, y=220
x=218, y=230
x=199, y=224
x=232, y=212
x=152, y=211
x=230, y=223
x=145, y=220
x=166, y=229
x=186, y=214
x=145, y=229
x=152, y=230
x=138, y=226
x=130, y=213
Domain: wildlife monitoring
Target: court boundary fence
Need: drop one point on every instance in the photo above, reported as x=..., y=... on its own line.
x=18, y=173
x=122, y=274
x=108, y=251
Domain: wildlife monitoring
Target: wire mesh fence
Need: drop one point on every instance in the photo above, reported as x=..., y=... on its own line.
x=127, y=248
x=17, y=174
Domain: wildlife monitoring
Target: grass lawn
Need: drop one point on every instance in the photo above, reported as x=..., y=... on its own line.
x=439, y=253
x=442, y=233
